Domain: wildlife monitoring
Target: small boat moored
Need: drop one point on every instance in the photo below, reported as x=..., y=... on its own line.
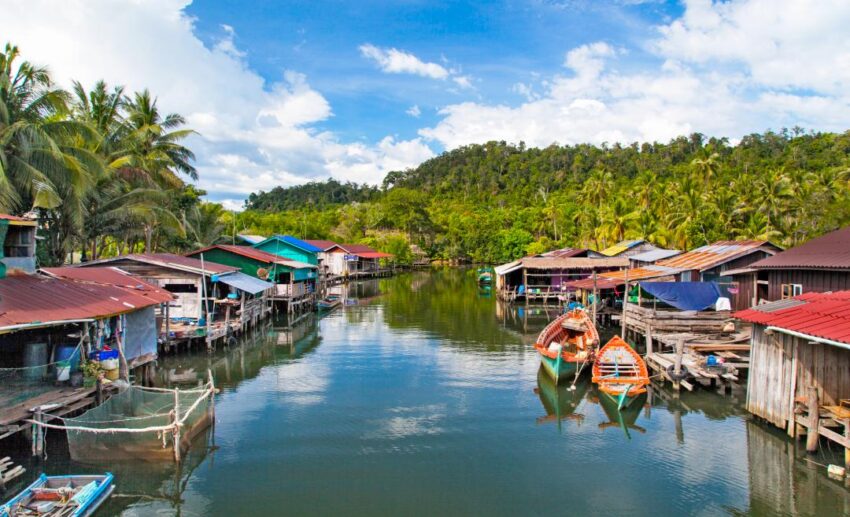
x=485, y=275
x=620, y=372
x=329, y=302
x=66, y=496
x=567, y=344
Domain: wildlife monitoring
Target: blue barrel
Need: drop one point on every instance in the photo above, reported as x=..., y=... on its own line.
x=67, y=352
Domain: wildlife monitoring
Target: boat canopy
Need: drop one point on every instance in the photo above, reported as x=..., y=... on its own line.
x=685, y=296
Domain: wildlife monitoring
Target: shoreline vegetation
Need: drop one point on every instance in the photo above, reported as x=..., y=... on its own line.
x=107, y=173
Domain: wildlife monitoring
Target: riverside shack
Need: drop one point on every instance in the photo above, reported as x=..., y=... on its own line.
x=293, y=282
x=819, y=265
x=48, y=323
x=800, y=366
x=546, y=276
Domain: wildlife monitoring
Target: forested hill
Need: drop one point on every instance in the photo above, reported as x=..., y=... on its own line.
x=497, y=201
x=318, y=194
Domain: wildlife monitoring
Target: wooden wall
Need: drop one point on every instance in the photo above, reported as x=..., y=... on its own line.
x=813, y=281
x=780, y=363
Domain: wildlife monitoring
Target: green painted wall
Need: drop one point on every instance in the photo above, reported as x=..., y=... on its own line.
x=287, y=250
x=250, y=266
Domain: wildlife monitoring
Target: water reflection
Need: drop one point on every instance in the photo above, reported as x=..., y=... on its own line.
x=424, y=397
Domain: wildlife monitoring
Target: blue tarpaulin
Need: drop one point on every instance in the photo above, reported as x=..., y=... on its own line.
x=686, y=296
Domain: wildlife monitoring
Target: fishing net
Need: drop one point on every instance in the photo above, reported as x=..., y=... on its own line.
x=23, y=383
x=138, y=423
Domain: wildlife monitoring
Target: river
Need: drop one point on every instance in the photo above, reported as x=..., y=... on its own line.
x=422, y=396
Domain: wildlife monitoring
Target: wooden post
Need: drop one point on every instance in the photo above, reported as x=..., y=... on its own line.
x=814, y=418
x=38, y=434
x=595, y=297
x=206, y=310
x=625, y=302
x=648, y=340
x=792, y=418
x=677, y=366
x=176, y=432
x=167, y=325
x=525, y=283
x=847, y=450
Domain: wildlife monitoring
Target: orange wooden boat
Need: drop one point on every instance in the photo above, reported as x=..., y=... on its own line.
x=567, y=343
x=620, y=372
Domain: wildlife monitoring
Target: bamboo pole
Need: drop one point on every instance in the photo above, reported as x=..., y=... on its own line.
x=177, y=424
x=595, y=297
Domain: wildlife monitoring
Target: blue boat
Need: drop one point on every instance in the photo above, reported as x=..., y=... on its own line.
x=329, y=302
x=66, y=496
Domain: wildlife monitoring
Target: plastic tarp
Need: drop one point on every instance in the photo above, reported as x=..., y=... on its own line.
x=686, y=296
x=245, y=282
x=140, y=337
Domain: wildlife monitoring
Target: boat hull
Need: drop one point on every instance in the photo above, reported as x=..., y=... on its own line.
x=85, y=506
x=559, y=372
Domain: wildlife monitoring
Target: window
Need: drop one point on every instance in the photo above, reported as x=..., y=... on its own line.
x=791, y=290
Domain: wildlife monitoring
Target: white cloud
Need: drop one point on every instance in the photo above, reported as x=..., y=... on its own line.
x=724, y=68
x=394, y=61
x=414, y=111
x=464, y=81
x=253, y=135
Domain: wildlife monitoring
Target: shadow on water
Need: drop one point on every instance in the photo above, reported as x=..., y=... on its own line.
x=422, y=396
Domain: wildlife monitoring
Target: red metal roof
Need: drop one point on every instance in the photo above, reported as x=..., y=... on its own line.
x=321, y=244
x=111, y=276
x=245, y=251
x=166, y=260
x=824, y=315
x=33, y=299
x=373, y=255
x=830, y=251
x=15, y=219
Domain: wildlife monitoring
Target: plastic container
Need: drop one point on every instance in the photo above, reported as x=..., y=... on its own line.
x=67, y=359
x=112, y=374
x=35, y=360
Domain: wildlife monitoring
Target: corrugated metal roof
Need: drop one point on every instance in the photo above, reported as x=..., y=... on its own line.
x=713, y=255
x=373, y=255
x=565, y=253
x=304, y=245
x=830, y=251
x=38, y=299
x=110, y=276
x=166, y=260
x=572, y=263
x=321, y=244
x=654, y=255
x=824, y=315
x=620, y=247
x=641, y=273
x=245, y=282
x=244, y=251
x=19, y=221
x=251, y=239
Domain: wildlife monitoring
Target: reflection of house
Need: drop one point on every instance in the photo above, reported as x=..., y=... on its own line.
x=705, y=264
x=800, y=365
x=819, y=265
x=17, y=236
x=420, y=258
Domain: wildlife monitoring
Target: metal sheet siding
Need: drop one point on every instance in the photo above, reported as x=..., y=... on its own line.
x=825, y=315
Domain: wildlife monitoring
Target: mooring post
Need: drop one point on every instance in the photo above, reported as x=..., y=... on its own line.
x=648, y=340
x=176, y=425
x=625, y=301
x=38, y=434
x=677, y=366
x=814, y=417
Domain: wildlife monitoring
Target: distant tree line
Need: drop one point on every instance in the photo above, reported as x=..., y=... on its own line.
x=497, y=201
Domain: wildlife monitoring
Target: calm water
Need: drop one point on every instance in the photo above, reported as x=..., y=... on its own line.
x=422, y=397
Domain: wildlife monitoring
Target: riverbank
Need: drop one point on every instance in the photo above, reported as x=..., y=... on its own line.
x=422, y=396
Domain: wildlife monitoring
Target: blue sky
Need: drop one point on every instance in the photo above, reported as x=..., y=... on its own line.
x=497, y=44
x=282, y=93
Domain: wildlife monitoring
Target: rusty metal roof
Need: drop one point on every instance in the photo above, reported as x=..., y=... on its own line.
x=38, y=300
x=824, y=315
x=18, y=221
x=573, y=262
x=641, y=273
x=830, y=251
x=167, y=260
x=323, y=245
x=110, y=276
x=712, y=255
x=245, y=251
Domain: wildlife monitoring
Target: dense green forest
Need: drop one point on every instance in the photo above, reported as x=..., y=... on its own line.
x=497, y=201
x=106, y=172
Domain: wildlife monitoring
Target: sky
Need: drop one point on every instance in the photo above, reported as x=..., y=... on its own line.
x=285, y=92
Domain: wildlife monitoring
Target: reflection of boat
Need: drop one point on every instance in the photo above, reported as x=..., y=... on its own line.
x=620, y=372
x=329, y=302
x=624, y=418
x=70, y=496
x=561, y=402
x=567, y=344
x=485, y=275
